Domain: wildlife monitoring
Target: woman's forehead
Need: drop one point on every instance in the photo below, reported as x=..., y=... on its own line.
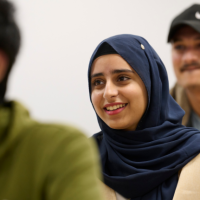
x=108, y=63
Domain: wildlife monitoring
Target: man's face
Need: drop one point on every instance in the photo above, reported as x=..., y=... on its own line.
x=186, y=57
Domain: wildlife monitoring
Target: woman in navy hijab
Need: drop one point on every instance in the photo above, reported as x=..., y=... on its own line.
x=142, y=143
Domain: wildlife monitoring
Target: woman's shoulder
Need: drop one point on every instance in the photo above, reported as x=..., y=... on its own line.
x=109, y=193
x=98, y=137
x=189, y=181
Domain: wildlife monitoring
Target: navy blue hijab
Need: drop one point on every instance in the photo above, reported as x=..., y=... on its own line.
x=144, y=164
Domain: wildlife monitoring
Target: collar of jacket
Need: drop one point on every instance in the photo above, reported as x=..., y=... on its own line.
x=179, y=94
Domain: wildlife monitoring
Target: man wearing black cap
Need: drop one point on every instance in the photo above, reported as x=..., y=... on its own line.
x=37, y=160
x=184, y=36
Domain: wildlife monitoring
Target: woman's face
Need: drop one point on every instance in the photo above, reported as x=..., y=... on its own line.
x=118, y=94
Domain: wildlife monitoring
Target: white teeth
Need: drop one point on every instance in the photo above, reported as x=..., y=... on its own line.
x=115, y=107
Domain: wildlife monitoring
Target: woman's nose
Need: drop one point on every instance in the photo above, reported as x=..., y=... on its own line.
x=110, y=91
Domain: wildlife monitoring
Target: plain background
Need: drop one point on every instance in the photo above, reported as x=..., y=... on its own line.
x=58, y=38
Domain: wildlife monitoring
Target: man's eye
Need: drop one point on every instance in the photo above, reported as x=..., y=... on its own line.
x=123, y=78
x=179, y=47
x=97, y=82
x=198, y=45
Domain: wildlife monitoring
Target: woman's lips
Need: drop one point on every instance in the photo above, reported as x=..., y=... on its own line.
x=114, y=112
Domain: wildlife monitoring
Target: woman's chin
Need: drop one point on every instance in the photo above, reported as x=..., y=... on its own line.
x=122, y=126
x=118, y=126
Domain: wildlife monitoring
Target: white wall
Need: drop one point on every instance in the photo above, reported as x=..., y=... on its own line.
x=59, y=36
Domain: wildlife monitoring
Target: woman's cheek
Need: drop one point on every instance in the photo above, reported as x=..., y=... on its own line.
x=96, y=99
x=132, y=91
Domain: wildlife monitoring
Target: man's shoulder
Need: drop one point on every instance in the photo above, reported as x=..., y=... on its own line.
x=173, y=90
x=180, y=96
x=49, y=129
x=46, y=134
x=47, y=142
x=51, y=134
x=178, y=93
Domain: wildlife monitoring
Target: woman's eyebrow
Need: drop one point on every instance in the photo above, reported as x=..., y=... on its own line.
x=117, y=71
x=97, y=74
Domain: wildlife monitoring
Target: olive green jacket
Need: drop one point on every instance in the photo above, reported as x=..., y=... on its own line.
x=44, y=161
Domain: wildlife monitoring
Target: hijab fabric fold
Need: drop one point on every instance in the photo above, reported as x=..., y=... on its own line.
x=144, y=164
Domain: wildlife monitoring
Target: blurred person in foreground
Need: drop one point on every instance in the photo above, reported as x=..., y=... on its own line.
x=38, y=161
x=184, y=36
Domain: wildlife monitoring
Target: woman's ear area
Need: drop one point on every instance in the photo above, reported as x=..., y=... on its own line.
x=4, y=62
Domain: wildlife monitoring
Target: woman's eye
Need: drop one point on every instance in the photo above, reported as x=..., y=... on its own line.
x=123, y=78
x=97, y=82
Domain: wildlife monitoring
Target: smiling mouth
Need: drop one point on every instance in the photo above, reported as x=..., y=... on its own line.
x=190, y=68
x=115, y=107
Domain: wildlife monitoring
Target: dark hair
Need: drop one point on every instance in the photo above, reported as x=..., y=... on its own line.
x=9, y=38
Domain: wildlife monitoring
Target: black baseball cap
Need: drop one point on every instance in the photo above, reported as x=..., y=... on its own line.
x=190, y=17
